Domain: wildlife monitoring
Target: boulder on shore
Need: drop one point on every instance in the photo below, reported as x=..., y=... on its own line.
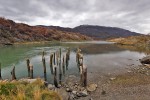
x=145, y=60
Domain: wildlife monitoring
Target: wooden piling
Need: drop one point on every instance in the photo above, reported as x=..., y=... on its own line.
x=0, y=72
x=28, y=66
x=31, y=71
x=63, y=65
x=60, y=54
x=54, y=58
x=43, y=53
x=83, y=75
x=13, y=74
x=60, y=72
x=57, y=56
x=67, y=61
x=51, y=63
x=45, y=77
x=55, y=77
x=68, y=53
x=77, y=55
x=44, y=64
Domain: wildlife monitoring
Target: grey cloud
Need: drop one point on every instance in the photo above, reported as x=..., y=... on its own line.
x=128, y=14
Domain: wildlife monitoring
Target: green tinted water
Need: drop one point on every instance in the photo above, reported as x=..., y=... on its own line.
x=98, y=56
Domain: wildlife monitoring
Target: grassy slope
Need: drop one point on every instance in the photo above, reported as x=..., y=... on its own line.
x=136, y=43
x=26, y=91
x=133, y=40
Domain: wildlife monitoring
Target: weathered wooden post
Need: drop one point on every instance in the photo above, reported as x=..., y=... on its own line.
x=55, y=77
x=81, y=74
x=44, y=64
x=80, y=58
x=57, y=56
x=60, y=72
x=28, y=66
x=13, y=74
x=67, y=62
x=51, y=63
x=68, y=53
x=0, y=72
x=85, y=76
x=31, y=71
x=77, y=55
x=43, y=53
x=63, y=65
x=60, y=54
x=54, y=58
x=45, y=77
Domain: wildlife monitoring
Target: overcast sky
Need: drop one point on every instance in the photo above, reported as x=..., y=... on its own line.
x=128, y=14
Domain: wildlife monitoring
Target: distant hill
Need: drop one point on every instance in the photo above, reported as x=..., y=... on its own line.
x=11, y=32
x=97, y=32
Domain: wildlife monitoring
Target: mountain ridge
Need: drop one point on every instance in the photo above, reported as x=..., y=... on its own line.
x=12, y=32
x=97, y=32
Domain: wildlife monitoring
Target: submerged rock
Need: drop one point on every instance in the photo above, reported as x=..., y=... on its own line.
x=145, y=60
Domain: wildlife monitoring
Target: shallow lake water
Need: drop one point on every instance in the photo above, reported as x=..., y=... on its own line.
x=99, y=56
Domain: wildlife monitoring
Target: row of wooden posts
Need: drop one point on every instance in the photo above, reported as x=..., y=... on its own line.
x=55, y=60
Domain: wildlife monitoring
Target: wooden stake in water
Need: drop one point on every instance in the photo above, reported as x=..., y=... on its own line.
x=68, y=53
x=60, y=55
x=60, y=73
x=45, y=77
x=54, y=58
x=55, y=77
x=81, y=75
x=60, y=52
x=85, y=76
x=44, y=64
x=13, y=73
x=67, y=61
x=78, y=55
x=31, y=71
x=57, y=56
x=51, y=63
x=43, y=53
x=63, y=65
x=80, y=59
x=28, y=66
x=0, y=72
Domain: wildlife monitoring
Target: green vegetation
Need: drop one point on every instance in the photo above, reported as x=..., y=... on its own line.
x=21, y=90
